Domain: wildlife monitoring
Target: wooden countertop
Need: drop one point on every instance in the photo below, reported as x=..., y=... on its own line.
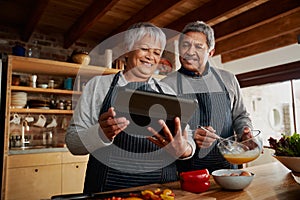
x=271, y=181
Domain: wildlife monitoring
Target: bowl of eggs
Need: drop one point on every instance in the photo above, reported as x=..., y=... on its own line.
x=232, y=179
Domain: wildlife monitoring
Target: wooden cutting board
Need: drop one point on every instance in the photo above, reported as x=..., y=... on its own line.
x=181, y=194
x=174, y=186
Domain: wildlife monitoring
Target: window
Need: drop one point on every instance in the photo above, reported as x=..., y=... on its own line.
x=296, y=90
x=271, y=108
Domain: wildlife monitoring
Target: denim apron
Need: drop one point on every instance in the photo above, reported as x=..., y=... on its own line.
x=214, y=110
x=127, y=162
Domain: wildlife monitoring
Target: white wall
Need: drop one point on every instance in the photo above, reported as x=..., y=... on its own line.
x=272, y=58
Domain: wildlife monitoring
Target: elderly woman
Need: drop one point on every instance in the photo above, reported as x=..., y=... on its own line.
x=117, y=158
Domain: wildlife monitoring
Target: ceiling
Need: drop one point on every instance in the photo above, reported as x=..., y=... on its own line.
x=242, y=27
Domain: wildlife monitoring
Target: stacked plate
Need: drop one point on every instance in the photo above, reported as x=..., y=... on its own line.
x=18, y=99
x=39, y=103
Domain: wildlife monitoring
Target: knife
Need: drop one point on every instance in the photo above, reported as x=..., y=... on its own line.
x=98, y=196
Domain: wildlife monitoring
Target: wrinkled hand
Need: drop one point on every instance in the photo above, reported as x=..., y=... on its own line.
x=247, y=134
x=203, y=138
x=110, y=125
x=176, y=144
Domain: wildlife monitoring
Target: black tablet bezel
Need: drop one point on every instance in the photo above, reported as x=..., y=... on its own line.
x=133, y=102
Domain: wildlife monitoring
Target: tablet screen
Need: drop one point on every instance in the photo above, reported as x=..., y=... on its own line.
x=144, y=109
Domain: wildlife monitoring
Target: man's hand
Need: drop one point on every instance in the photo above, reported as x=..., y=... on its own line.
x=205, y=138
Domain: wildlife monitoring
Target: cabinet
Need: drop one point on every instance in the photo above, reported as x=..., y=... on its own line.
x=73, y=173
x=33, y=176
x=38, y=174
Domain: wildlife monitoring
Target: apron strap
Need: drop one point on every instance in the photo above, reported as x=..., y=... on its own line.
x=107, y=99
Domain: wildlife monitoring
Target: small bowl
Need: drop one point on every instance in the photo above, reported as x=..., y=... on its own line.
x=292, y=163
x=43, y=85
x=223, y=178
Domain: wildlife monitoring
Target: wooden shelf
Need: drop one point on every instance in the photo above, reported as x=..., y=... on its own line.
x=43, y=111
x=38, y=90
x=50, y=67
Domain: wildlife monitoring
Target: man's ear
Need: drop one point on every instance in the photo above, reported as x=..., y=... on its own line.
x=211, y=53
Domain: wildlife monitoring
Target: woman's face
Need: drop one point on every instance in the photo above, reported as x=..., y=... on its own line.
x=142, y=61
x=194, y=51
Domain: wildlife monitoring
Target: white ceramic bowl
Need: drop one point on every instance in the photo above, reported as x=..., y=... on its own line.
x=292, y=163
x=222, y=177
x=43, y=85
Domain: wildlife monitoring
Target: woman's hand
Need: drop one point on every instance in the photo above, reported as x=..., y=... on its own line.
x=205, y=138
x=176, y=144
x=110, y=125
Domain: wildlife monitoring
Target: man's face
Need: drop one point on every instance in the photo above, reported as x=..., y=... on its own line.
x=194, y=51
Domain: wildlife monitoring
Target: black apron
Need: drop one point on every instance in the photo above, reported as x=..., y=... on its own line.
x=214, y=110
x=132, y=160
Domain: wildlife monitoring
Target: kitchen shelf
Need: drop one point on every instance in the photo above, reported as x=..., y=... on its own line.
x=44, y=111
x=44, y=90
x=57, y=68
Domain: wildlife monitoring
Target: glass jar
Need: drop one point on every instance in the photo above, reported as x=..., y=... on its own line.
x=60, y=105
x=68, y=105
x=51, y=84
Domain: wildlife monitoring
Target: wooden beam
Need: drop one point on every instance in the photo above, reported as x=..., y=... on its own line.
x=211, y=11
x=96, y=10
x=268, y=45
x=278, y=73
x=259, y=34
x=36, y=13
x=149, y=12
x=253, y=18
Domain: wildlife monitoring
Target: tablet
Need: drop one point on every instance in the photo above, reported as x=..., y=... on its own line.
x=144, y=109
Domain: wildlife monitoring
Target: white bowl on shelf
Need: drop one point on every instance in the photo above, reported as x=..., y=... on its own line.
x=18, y=99
x=43, y=85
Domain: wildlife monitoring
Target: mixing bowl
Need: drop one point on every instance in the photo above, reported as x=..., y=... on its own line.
x=240, y=152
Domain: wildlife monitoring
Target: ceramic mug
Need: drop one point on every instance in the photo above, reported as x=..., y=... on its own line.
x=16, y=119
x=29, y=118
x=53, y=123
x=41, y=121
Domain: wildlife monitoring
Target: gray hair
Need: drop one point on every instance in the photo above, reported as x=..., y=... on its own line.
x=139, y=30
x=202, y=27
